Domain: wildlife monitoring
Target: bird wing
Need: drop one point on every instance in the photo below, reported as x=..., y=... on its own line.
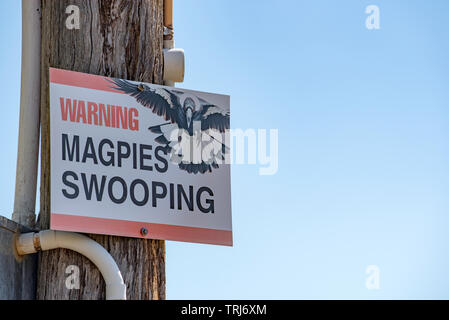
x=161, y=101
x=213, y=117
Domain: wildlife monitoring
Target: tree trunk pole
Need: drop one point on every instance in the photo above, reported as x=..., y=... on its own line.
x=116, y=38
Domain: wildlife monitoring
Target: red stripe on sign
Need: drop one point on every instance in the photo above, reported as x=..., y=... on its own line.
x=125, y=228
x=81, y=80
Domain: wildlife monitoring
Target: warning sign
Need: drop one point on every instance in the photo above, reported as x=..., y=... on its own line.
x=139, y=160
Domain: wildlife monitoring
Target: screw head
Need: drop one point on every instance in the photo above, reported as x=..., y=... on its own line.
x=144, y=231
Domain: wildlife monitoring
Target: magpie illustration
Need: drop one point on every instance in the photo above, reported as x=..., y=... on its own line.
x=167, y=103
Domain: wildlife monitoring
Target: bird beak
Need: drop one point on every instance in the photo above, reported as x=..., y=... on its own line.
x=189, y=116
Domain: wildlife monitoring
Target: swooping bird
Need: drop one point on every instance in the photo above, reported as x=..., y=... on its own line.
x=167, y=104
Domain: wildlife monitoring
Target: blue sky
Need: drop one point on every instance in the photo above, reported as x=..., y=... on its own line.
x=363, y=126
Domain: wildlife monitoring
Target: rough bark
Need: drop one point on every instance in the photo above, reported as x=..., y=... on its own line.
x=117, y=38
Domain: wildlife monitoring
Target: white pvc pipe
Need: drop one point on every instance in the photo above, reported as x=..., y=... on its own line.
x=47, y=240
x=28, y=149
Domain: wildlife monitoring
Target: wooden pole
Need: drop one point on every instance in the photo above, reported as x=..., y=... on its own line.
x=116, y=38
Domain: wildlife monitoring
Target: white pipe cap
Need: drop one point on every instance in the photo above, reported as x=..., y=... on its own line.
x=174, y=65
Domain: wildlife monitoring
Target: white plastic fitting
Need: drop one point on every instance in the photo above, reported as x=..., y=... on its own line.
x=28, y=243
x=174, y=64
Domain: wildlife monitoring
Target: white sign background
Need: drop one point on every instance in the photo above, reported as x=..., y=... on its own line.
x=218, y=180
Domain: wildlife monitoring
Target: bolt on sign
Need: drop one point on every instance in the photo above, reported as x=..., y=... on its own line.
x=139, y=160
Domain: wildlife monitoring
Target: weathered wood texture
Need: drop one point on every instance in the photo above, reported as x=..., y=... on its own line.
x=117, y=38
x=17, y=274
